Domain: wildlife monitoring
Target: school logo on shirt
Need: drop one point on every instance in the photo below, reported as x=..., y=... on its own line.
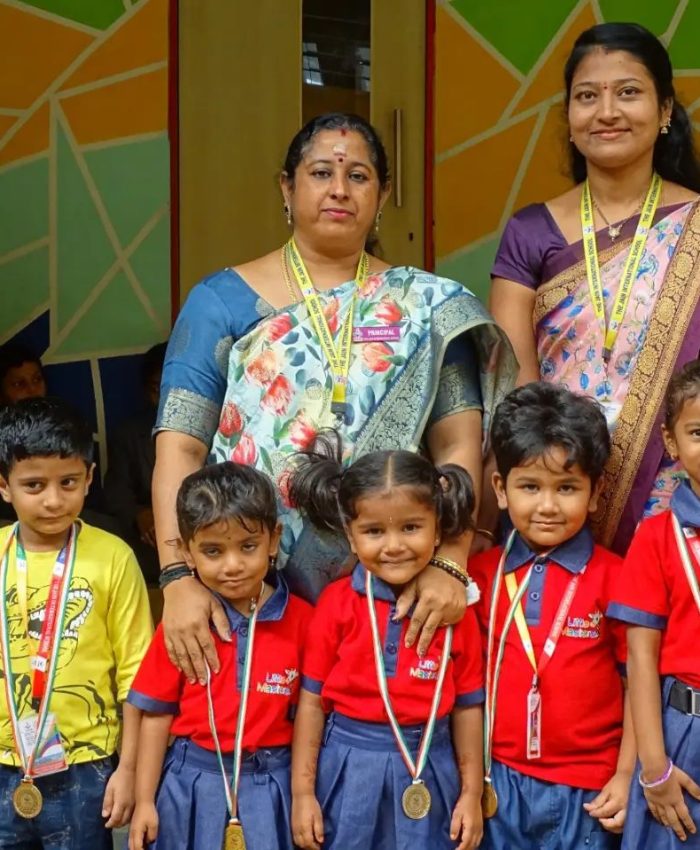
x=426, y=669
x=279, y=683
x=584, y=627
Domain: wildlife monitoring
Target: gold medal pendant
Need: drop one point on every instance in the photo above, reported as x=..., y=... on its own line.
x=489, y=800
x=416, y=801
x=27, y=799
x=233, y=837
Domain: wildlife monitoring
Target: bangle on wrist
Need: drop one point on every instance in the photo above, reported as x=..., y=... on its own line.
x=452, y=568
x=172, y=564
x=173, y=572
x=665, y=776
x=484, y=532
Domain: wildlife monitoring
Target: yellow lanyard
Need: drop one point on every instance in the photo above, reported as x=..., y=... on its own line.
x=338, y=358
x=629, y=272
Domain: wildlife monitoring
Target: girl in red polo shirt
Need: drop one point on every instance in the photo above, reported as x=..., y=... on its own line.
x=658, y=597
x=374, y=762
x=226, y=778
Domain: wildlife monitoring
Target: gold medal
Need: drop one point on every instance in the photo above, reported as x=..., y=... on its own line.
x=489, y=800
x=416, y=801
x=233, y=837
x=27, y=799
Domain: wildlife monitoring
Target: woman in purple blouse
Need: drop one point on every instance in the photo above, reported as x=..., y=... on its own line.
x=599, y=288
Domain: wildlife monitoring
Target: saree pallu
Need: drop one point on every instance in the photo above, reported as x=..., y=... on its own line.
x=434, y=351
x=659, y=334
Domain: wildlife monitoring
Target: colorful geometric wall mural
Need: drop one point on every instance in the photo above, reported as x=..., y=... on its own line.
x=84, y=192
x=500, y=131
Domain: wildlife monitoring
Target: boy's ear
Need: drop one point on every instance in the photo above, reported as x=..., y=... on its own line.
x=595, y=495
x=5, y=490
x=669, y=442
x=88, y=478
x=184, y=549
x=499, y=488
x=275, y=539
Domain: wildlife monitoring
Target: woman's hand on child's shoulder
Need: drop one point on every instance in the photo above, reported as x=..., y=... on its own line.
x=307, y=822
x=144, y=826
x=467, y=824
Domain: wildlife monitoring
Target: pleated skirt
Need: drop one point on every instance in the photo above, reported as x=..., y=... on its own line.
x=191, y=800
x=682, y=739
x=361, y=778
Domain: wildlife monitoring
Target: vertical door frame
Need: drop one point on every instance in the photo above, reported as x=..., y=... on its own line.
x=429, y=142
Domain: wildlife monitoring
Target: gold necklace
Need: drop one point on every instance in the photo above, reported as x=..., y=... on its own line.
x=287, y=279
x=614, y=230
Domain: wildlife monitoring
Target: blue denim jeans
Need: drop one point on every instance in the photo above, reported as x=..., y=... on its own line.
x=71, y=815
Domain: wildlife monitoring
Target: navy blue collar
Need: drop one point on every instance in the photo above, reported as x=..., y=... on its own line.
x=272, y=609
x=686, y=505
x=572, y=554
x=381, y=589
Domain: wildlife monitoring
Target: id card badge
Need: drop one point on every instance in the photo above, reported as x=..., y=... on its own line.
x=534, y=724
x=51, y=757
x=377, y=333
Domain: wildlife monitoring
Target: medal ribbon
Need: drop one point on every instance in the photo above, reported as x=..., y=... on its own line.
x=45, y=663
x=685, y=537
x=493, y=669
x=629, y=273
x=338, y=358
x=416, y=768
x=232, y=790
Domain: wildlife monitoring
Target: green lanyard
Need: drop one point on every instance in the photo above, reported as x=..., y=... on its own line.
x=629, y=273
x=338, y=357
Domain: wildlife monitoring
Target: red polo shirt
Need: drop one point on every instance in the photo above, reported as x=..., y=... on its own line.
x=339, y=659
x=581, y=688
x=653, y=590
x=159, y=687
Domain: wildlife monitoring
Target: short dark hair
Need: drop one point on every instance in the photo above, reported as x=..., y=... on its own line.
x=683, y=386
x=42, y=427
x=14, y=354
x=674, y=153
x=327, y=492
x=224, y=491
x=337, y=121
x=538, y=417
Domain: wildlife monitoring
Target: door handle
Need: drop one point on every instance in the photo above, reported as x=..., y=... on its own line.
x=398, y=157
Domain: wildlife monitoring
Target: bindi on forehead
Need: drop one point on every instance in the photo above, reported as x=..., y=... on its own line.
x=340, y=151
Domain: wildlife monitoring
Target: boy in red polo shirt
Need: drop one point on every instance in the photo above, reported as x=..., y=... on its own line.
x=227, y=775
x=558, y=766
x=658, y=598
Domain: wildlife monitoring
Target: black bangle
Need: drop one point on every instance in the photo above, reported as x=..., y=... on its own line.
x=173, y=572
x=451, y=571
x=173, y=564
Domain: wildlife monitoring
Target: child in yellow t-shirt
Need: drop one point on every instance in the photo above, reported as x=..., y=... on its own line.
x=74, y=625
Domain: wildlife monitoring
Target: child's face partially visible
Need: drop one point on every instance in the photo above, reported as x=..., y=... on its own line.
x=48, y=494
x=394, y=534
x=683, y=442
x=547, y=503
x=232, y=559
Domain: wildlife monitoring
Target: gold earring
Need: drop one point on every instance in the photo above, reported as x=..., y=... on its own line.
x=664, y=128
x=288, y=213
x=377, y=219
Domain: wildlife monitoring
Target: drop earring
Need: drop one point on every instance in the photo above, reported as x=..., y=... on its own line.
x=665, y=128
x=288, y=213
x=377, y=219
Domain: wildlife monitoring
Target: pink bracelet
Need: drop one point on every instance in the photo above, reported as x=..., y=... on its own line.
x=660, y=781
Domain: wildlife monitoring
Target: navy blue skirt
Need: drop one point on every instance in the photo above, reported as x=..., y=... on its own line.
x=361, y=777
x=191, y=801
x=682, y=739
